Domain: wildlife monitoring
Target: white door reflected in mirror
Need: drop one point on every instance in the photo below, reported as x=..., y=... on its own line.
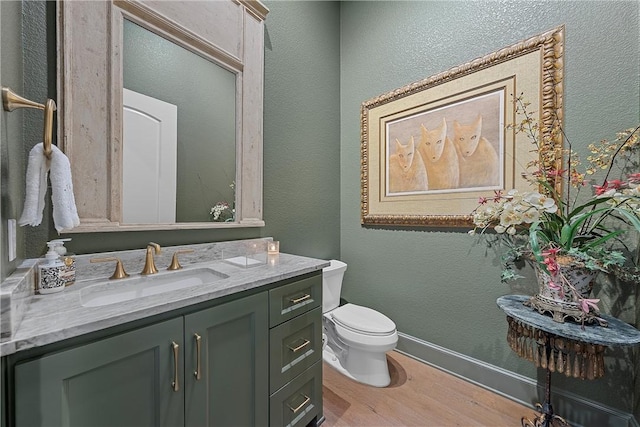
x=149, y=159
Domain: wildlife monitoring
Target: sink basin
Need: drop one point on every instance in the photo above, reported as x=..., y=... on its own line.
x=144, y=286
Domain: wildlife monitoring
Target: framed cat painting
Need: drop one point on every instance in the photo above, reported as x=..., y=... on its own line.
x=431, y=149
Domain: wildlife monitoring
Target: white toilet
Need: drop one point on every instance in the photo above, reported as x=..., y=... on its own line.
x=356, y=338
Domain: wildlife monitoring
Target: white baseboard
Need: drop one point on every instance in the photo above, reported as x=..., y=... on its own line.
x=577, y=410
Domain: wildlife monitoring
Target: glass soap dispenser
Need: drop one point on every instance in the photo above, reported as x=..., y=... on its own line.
x=50, y=272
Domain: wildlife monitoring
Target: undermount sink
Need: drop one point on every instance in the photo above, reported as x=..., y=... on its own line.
x=143, y=286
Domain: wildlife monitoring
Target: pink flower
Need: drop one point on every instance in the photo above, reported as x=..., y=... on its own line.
x=634, y=177
x=586, y=304
x=556, y=172
x=482, y=200
x=616, y=183
x=551, y=252
x=550, y=260
x=552, y=265
x=609, y=185
x=554, y=286
x=497, y=195
x=601, y=189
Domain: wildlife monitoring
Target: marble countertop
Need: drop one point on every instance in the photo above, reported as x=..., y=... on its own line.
x=51, y=318
x=617, y=333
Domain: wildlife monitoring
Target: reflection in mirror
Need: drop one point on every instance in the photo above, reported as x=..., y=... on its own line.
x=179, y=131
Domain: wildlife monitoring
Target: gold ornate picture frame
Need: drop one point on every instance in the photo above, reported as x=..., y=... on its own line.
x=414, y=173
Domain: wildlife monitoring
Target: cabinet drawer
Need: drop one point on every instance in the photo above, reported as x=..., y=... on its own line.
x=294, y=346
x=288, y=301
x=300, y=401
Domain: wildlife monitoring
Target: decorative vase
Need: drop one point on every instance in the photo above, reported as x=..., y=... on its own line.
x=572, y=283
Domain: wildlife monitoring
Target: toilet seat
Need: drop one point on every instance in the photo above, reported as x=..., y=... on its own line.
x=363, y=320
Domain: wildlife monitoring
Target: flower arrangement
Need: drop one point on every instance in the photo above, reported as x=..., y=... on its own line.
x=223, y=211
x=556, y=221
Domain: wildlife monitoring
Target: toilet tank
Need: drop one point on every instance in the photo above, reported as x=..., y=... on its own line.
x=332, y=284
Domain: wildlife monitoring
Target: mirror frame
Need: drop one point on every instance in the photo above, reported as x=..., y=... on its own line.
x=228, y=33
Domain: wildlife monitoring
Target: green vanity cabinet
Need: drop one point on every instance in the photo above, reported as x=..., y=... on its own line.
x=125, y=380
x=295, y=362
x=227, y=364
x=252, y=359
x=155, y=375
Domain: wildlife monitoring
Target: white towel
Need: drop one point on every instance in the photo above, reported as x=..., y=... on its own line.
x=65, y=215
x=36, y=187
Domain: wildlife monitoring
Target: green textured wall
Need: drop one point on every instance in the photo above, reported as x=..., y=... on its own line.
x=434, y=283
x=302, y=127
x=23, y=37
x=10, y=125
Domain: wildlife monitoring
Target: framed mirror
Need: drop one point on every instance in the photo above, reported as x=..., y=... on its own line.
x=160, y=112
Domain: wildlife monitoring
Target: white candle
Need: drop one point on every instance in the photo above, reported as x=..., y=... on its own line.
x=273, y=247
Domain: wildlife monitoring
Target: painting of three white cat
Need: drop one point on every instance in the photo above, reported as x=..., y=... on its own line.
x=439, y=162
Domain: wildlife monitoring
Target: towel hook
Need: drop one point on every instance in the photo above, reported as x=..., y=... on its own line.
x=49, y=108
x=11, y=101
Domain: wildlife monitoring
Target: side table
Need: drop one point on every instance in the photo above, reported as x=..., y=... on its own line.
x=567, y=348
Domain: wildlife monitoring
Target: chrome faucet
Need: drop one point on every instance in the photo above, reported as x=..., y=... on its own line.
x=149, y=264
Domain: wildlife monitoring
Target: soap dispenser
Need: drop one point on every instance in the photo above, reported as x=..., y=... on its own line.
x=69, y=273
x=50, y=278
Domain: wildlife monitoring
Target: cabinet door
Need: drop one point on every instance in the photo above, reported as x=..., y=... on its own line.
x=226, y=382
x=125, y=380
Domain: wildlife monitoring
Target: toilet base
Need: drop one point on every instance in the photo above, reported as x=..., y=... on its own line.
x=379, y=379
x=331, y=359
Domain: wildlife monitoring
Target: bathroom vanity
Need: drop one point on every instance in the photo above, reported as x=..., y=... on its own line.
x=243, y=349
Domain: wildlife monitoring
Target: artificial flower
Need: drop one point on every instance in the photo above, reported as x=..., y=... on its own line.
x=553, y=218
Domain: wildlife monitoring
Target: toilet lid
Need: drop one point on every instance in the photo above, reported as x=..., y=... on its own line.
x=363, y=319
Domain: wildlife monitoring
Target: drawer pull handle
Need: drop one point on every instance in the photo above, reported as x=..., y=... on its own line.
x=174, y=384
x=300, y=347
x=198, y=373
x=307, y=399
x=300, y=299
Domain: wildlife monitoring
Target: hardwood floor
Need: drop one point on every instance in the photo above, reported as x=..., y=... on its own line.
x=419, y=395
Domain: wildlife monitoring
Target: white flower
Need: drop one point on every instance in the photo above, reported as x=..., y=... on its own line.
x=217, y=210
x=513, y=194
x=510, y=216
x=531, y=215
x=542, y=202
x=634, y=191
